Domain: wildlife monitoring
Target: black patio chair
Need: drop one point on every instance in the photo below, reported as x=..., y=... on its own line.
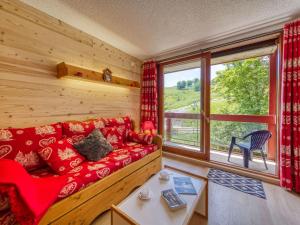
x=257, y=142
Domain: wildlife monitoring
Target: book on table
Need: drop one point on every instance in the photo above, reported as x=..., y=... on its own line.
x=184, y=185
x=173, y=200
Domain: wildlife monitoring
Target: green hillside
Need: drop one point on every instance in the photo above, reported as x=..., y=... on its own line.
x=177, y=98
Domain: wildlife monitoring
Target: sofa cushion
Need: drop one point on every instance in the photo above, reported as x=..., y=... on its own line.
x=89, y=172
x=77, y=130
x=114, y=135
x=22, y=144
x=86, y=174
x=46, y=171
x=7, y=218
x=98, y=123
x=136, y=150
x=4, y=202
x=111, y=122
x=61, y=156
x=94, y=146
x=140, y=137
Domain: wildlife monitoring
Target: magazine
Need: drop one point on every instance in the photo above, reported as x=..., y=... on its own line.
x=184, y=185
x=173, y=199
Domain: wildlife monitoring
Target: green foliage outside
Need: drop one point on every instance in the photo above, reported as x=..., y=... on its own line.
x=241, y=88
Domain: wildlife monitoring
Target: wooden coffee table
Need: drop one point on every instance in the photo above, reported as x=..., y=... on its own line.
x=133, y=211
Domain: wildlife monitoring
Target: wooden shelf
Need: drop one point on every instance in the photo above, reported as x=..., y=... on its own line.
x=66, y=70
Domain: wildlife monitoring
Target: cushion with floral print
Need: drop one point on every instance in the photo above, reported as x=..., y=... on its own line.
x=77, y=130
x=7, y=218
x=98, y=123
x=114, y=135
x=61, y=156
x=140, y=137
x=22, y=144
x=4, y=202
x=112, y=122
x=90, y=172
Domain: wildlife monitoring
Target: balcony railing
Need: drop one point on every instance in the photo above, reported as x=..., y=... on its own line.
x=184, y=128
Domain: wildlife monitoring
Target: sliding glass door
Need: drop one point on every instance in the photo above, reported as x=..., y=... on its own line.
x=244, y=96
x=184, y=86
x=202, y=106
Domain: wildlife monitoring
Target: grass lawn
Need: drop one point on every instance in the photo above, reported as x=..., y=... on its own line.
x=175, y=99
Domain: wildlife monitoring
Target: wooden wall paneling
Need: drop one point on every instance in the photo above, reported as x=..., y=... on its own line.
x=17, y=32
x=30, y=14
x=32, y=43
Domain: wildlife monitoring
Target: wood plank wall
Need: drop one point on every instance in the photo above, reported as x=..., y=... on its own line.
x=32, y=43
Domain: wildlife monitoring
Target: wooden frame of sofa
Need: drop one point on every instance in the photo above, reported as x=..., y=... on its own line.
x=84, y=206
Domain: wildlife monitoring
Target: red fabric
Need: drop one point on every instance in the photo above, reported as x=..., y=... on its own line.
x=77, y=130
x=90, y=172
x=125, y=120
x=140, y=138
x=21, y=144
x=4, y=202
x=61, y=156
x=29, y=197
x=290, y=127
x=7, y=218
x=98, y=123
x=136, y=151
x=149, y=101
x=115, y=135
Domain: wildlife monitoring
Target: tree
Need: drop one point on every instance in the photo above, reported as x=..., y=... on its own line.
x=183, y=83
x=197, y=85
x=179, y=85
x=196, y=80
x=243, y=87
x=189, y=83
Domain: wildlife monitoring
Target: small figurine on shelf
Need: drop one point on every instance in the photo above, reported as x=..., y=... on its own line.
x=107, y=75
x=148, y=128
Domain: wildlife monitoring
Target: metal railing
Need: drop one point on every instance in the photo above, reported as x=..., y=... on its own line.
x=177, y=129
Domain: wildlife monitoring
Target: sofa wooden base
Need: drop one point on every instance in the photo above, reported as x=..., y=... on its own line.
x=84, y=206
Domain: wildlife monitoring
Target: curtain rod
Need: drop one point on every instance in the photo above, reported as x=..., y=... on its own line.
x=278, y=31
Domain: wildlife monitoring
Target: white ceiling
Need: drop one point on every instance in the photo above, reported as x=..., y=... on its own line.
x=148, y=28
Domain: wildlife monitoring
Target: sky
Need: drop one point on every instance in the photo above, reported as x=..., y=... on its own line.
x=171, y=79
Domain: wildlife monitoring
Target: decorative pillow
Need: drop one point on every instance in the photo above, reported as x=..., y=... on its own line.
x=98, y=123
x=61, y=156
x=94, y=146
x=4, y=202
x=114, y=135
x=140, y=138
x=22, y=144
x=77, y=130
x=8, y=218
x=111, y=122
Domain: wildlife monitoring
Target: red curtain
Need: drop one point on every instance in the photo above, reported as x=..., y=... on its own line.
x=290, y=127
x=149, y=93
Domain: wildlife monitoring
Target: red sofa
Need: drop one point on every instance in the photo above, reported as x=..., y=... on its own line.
x=23, y=144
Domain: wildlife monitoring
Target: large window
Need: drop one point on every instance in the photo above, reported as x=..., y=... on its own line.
x=210, y=98
x=242, y=101
x=184, y=120
x=182, y=97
